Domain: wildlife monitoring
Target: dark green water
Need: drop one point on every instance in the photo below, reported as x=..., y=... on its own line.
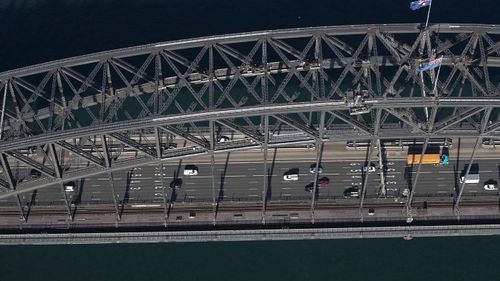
x=34, y=31
x=443, y=259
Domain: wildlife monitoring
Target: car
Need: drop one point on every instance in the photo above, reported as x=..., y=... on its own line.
x=371, y=212
x=351, y=192
x=223, y=139
x=176, y=183
x=290, y=177
x=312, y=169
x=323, y=182
x=172, y=145
x=309, y=188
x=369, y=169
x=190, y=170
x=35, y=174
x=490, y=185
x=69, y=187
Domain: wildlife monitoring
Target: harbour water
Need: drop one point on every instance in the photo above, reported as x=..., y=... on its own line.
x=34, y=31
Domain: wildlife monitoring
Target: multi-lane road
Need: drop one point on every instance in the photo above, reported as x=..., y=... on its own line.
x=240, y=177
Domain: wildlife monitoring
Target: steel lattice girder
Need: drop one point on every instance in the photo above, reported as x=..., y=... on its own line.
x=97, y=106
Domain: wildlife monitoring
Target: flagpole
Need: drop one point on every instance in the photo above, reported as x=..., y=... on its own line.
x=428, y=15
x=3, y=109
x=437, y=77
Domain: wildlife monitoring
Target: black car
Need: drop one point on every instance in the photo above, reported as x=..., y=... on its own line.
x=351, y=192
x=35, y=174
x=176, y=183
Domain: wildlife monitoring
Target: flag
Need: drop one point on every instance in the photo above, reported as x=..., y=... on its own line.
x=430, y=65
x=415, y=5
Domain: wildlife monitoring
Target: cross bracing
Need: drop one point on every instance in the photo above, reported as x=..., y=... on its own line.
x=119, y=109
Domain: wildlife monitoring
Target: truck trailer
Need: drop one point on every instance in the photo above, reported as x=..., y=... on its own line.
x=428, y=158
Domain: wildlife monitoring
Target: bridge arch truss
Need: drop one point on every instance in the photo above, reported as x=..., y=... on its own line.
x=119, y=109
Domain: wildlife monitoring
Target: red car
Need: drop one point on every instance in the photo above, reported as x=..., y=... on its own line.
x=323, y=182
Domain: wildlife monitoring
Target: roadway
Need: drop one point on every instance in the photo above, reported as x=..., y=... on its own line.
x=239, y=176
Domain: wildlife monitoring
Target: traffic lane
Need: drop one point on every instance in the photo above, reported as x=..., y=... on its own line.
x=147, y=177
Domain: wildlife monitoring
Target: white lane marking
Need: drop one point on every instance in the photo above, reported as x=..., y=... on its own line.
x=286, y=188
x=442, y=185
x=252, y=169
x=439, y=178
x=253, y=182
x=346, y=180
x=253, y=195
x=95, y=185
x=253, y=188
x=441, y=191
x=286, y=194
x=103, y=179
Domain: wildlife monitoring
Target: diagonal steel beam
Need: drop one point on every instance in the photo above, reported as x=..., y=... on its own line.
x=89, y=156
x=133, y=144
x=296, y=125
x=185, y=135
x=457, y=118
x=351, y=121
x=32, y=163
x=242, y=130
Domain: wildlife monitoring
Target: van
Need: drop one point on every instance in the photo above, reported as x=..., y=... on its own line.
x=471, y=178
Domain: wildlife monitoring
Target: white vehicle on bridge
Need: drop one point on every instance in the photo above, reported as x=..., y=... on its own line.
x=471, y=179
x=69, y=187
x=190, y=170
x=291, y=177
x=369, y=169
x=490, y=185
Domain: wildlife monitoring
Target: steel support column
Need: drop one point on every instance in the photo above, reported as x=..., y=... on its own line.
x=265, y=172
x=8, y=175
x=319, y=154
x=212, y=168
x=57, y=169
x=479, y=140
x=365, y=179
x=107, y=162
x=409, y=217
x=115, y=201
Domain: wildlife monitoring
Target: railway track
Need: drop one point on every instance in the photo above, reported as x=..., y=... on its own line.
x=239, y=208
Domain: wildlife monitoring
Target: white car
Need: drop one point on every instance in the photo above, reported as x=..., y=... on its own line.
x=69, y=187
x=312, y=169
x=190, y=171
x=223, y=139
x=369, y=169
x=291, y=177
x=490, y=186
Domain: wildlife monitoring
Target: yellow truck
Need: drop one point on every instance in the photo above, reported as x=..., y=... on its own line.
x=428, y=158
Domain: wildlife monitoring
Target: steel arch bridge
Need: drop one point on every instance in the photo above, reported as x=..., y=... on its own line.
x=271, y=88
